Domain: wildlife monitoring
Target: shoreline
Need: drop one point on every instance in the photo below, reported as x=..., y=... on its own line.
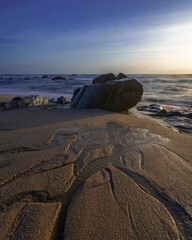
x=177, y=122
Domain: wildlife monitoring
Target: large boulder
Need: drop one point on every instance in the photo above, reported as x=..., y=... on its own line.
x=104, y=78
x=116, y=96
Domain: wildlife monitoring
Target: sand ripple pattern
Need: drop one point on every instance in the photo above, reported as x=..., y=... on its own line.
x=104, y=183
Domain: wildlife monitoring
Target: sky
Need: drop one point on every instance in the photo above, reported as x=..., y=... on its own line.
x=100, y=36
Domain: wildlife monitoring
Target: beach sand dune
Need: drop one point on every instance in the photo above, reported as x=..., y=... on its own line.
x=92, y=174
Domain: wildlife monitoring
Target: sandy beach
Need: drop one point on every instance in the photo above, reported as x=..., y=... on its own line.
x=92, y=174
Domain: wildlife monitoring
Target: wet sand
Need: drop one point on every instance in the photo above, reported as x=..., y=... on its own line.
x=92, y=174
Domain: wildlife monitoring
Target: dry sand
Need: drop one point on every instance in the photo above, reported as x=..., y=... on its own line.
x=92, y=174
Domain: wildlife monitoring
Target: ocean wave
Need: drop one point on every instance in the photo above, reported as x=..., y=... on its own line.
x=184, y=81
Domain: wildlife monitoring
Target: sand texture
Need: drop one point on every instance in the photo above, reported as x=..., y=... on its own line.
x=91, y=174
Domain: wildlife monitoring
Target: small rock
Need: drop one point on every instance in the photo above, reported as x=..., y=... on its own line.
x=161, y=113
x=17, y=99
x=58, y=78
x=44, y=76
x=150, y=108
x=189, y=115
x=52, y=100
x=61, y=100
x=141, y=108
x=154, y=108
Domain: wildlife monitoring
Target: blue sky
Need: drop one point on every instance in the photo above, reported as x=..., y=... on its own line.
x=81, y=36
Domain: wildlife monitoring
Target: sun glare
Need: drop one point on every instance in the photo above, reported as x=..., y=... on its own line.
x=177, y=47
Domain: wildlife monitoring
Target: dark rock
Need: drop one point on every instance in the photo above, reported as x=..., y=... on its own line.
x=154, y=108
x=58, y=78
x=150, y=108
x=17, y=99
x=120, y=76
x=11, y=105
x=189, y=115
x=161, y=113
x=104, y=78
x=4, y=106
x=44, y=76
x=174, y=114
x=141, y=108
x=61, y=100
x=75, y=93
x=183, y=128
x=74, y=75
x=164, y=113
x=117, y=96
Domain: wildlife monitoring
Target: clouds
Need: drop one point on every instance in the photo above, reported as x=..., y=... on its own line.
x=92, y=42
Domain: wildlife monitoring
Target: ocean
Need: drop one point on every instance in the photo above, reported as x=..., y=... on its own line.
x=174, y=91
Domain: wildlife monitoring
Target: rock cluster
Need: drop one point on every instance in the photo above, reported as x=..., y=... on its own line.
x=19, y=102
x=161, y=112
x=22, y=102
x=108, y=92
x=179, y=119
